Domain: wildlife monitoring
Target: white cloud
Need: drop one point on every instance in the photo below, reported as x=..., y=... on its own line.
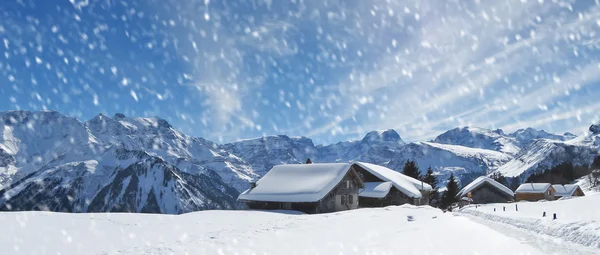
x=454, y=82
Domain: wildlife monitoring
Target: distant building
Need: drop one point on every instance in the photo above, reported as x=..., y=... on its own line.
x=535, y=192
x=384, y=187
x=309, y=188
x=567, y=190
x=484, y=190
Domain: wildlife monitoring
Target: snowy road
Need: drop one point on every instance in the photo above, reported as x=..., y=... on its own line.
x=575, y=231
x=365, y=231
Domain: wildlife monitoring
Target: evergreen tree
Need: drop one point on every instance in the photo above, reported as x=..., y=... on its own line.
x=514, y=183
x=500, y=178
x=411, y=169
x=308, y=161
x=596, y=164
x=431, y=179
x=449, y=196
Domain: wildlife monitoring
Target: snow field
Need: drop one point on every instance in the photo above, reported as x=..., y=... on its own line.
x=578, y=219
x=364, y=231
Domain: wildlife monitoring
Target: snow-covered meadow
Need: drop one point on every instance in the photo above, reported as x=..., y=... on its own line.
x=364, y=231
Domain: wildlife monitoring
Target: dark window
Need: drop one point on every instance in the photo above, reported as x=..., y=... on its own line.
x=350, y=198
x=343, y=199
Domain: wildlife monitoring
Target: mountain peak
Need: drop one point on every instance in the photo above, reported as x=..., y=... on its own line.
x=389, y=135
x=119, y=116
x=22, y=116
x=595, y=128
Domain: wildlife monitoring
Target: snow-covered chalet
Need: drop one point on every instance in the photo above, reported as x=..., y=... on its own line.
x=567, y=190
x=384, y=187
x=535, y=192
x=331, y=187
x=484, y=190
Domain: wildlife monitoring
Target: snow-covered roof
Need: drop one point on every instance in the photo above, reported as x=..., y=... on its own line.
x=481, y=181
x=376, y=189
x=403, y=183
x=533, y=188
x=566, y=190
x=297, y=182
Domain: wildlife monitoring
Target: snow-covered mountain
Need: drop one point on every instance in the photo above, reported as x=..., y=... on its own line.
x=379, y=147
x=529, y=135
x=107, y=164
x=376, y=147
x=119, y=181
x=54, y=162
x=265, y=152
x=467, y=152
x=465, y=162
x=496, y=139
x=480, y=138
x=156, y=137
x=547, y=153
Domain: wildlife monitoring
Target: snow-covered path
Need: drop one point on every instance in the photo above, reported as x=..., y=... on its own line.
x=575, y=231
x=365, y=231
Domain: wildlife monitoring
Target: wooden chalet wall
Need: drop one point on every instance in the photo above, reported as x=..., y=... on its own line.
x=343, y=197
x=487, y=193
x=536, y=196
x=424, y=197
x=578, y=193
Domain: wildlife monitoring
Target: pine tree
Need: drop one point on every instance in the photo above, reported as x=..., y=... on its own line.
x=308, y=161
x=411, y=169
x=500, y=178
x=596, y=164
x=434, y=195
x=449, y=196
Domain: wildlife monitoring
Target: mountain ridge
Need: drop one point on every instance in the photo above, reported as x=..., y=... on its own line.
x=193, y=173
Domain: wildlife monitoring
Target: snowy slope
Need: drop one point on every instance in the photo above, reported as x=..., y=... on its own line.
x=586, y=183
x=497, y=140
x=49, y=161
x=590, y=139
x=466, y=163
x=264, y=153
x=545, y=154
x=528, y=135
x=30, y=140
x=365, y=231
x=119, y=181
x=474, y=137
x=157, y=137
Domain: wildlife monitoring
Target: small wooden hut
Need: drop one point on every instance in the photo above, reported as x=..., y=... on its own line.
x=567, y=190
x=484, y=190
x=535, y=192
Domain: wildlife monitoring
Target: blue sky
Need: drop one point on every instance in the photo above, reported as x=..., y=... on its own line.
x=329, y=70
